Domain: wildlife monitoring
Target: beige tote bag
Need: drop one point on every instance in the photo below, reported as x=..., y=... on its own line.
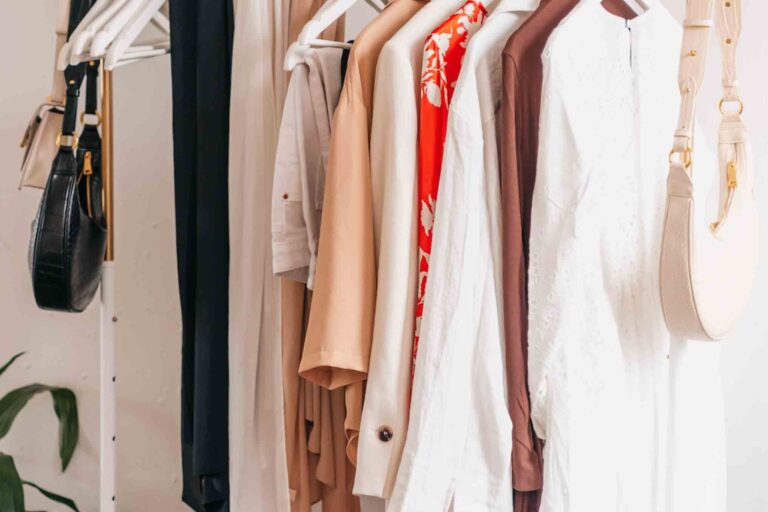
x=39, y=139
x=710, y=245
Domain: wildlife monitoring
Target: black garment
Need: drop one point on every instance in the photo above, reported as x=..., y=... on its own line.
x=201, y=64
x=345, y=61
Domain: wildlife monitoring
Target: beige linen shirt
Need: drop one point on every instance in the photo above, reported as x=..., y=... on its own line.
x=338, y=342
x=302, y=156
x=393, y=172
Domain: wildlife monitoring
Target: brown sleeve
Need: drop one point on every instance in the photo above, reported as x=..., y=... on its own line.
x=526, y=450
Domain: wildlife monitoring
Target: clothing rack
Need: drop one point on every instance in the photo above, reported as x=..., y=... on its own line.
x=107, y=348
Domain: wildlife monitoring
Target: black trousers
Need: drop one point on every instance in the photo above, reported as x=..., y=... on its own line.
x=201, y=65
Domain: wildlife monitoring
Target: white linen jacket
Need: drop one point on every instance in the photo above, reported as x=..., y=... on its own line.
x=393, y=174
x=459, y=444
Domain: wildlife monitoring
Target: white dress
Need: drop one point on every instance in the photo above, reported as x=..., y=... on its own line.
x=257, y=461
x=632, y=419
x=459, y=443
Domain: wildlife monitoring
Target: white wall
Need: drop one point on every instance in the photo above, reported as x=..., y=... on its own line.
x=63, y=349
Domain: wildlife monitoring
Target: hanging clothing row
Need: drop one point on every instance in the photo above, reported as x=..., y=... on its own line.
x=450, y=265
x=444, y=243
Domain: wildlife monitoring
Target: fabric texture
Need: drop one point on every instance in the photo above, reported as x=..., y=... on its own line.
x=201, y=64
x=258, y=451
x=302, y=156
x=393, y=182
x=443, y=53
x=264, y=29
x=633, y=419
x=317, y=465
x=337, y=349
x=459, y=439
x=520, y=106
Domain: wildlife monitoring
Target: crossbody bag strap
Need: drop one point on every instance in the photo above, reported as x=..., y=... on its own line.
x=696, y=33
x=696, y=29
x=728, y=24
x=92, y=92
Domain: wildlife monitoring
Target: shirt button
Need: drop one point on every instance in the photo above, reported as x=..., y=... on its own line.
x=285, y=196
x=385, y=434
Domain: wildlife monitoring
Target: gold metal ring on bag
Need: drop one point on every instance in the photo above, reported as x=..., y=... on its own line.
x=724, y=101
x=98, y=117
x=75, y=139
x=687, y=158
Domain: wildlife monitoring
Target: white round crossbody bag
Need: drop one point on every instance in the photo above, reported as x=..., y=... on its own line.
x=711, y=230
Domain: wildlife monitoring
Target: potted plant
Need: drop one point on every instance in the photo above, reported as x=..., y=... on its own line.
x=65, y=407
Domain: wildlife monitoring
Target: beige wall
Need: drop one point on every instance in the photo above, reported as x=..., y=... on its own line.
x=63, y=349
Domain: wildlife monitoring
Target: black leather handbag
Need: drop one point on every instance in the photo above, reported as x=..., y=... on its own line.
x=69, y=234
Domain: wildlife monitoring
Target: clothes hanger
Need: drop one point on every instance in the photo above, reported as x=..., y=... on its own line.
x=82, y=40
x=636, y=6
x=107, y=34
x=148, y=49
x=66, y=50
x=131, y=31
x=331, y=11
x=514, y=5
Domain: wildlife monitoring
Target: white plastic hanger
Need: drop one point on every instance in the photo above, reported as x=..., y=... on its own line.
x=514, y=6
x=331, y=11
x=107, y=34
x=81, y=40
x=90, y=17
x=144, y=11
x=131, y=31
x=639, y=6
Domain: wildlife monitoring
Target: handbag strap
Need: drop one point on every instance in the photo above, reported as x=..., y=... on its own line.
x=92, y=88
x=696, y=34
x=74, y=76
x=728, y=24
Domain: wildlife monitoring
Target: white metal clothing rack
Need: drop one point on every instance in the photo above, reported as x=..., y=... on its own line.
x=108, y=366
x=107, y=344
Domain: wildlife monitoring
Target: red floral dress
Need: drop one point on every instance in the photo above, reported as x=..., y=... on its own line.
x=443, y=53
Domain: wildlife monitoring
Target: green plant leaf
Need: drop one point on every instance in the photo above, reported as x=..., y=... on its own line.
x=9, y=363
x=65, y=406
x=53, y=496
x=11, y=492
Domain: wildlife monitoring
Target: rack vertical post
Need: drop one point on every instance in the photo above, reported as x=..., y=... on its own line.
x=108, y=370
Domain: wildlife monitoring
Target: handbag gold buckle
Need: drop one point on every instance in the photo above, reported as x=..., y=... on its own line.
x=686, y=160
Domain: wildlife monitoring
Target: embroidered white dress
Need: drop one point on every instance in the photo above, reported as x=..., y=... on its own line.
x=632, y=419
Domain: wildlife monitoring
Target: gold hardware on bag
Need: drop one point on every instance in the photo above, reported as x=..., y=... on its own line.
x=687, y=159
x=74, y=137
x=731, y=182
x=731, y=175
x=724, y=101
x=87, y=164
x=98, y=118
x=87, y=172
